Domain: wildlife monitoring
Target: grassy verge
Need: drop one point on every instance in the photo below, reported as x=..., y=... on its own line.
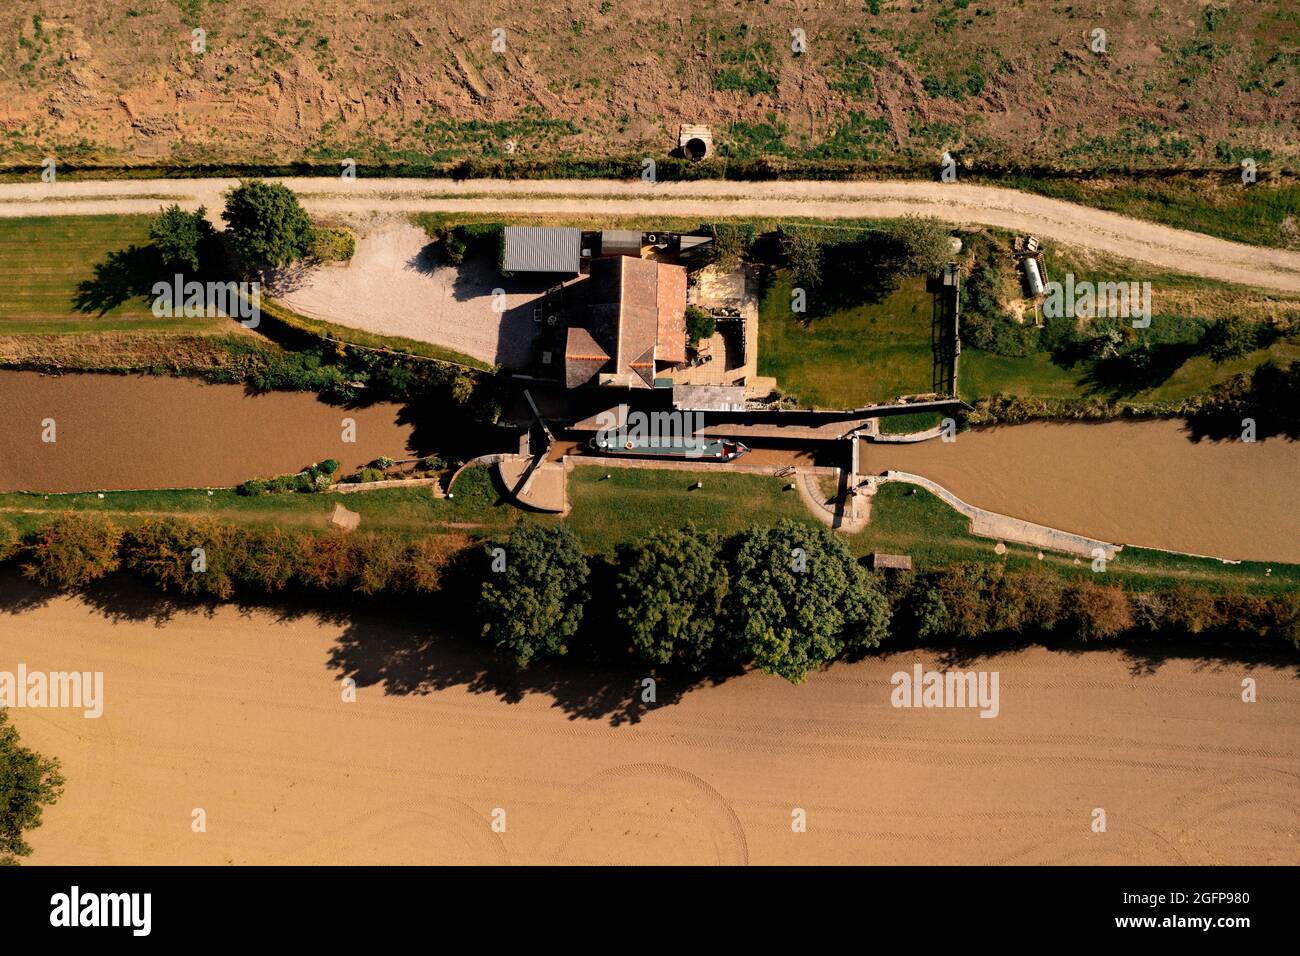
x=1263, y=213
x=280, y=313
x=633, y=502
x=909, y=424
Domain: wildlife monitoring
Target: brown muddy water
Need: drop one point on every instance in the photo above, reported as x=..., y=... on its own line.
x=1139, y=483
x=118, y=432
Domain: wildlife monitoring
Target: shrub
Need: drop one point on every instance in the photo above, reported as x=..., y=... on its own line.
x=73, y=550
x=332, y=245
x=1231, y=338
x=1095, y=611
x=699, y=325
x=8, y=540
x=190, y=558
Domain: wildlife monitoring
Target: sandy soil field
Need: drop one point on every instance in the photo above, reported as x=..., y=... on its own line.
x=1176, y=250
x=116, y=432
x=286, y=79
x=1140, y=483
x=396, y=285
x=242, y=714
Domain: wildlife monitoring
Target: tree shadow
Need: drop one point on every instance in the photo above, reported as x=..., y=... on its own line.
x=125, y=274
x=1137, y=369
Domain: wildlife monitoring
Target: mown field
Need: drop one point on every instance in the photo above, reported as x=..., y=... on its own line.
x=82, y=274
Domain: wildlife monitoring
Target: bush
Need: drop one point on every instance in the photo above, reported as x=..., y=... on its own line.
x=73, y=550
x=8, y=540
x=699, y=325
x=196, y=559
x=332, y=245
x=1231, y=338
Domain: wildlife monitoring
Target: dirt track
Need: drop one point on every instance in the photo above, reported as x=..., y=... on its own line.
x=1173, y=249
x=241, y=714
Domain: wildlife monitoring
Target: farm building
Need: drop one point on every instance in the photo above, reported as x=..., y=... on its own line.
x=542, y=249
x=633, y=322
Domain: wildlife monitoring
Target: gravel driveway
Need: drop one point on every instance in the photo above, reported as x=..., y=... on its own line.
x=397, y=284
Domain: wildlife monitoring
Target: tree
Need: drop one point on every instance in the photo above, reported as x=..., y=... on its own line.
x=671, y=586
x=699, y=325
x=267, y=224
x=730, y=245
x=178, y=236
x=533, y=594
x=919, y=246
x=803, y=253
x=1230, y=338
x=28, y=782
x=73, y=550
x=798, y=599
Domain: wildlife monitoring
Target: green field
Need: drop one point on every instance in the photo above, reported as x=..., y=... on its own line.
x=81, y=274
x=849, y=357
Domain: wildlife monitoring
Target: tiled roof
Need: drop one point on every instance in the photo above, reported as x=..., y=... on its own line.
x=671, y=298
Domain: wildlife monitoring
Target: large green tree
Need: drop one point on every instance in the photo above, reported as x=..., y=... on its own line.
x=534, y=590
x=671, y=586
x=179, y=236
x=28, y=782
x=267, y=224
x=799, y=600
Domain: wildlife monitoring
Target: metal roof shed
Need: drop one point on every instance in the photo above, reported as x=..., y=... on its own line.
x=542, y=249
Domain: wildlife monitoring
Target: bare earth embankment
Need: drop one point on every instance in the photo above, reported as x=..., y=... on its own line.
x=242, y=715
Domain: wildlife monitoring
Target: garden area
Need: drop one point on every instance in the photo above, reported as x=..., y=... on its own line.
x=845, y=320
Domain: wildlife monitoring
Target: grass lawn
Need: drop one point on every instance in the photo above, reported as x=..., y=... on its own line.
x=909, y=424
x=635, y=501
x=983, y=374
x=854, y=356
x=474, y=510
x=81, y=274
x=910, y=520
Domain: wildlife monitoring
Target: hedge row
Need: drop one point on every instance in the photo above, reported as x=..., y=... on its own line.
x=787, y=598
x=214, y=560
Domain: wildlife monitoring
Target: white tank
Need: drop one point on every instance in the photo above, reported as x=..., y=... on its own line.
x=1032, y=277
